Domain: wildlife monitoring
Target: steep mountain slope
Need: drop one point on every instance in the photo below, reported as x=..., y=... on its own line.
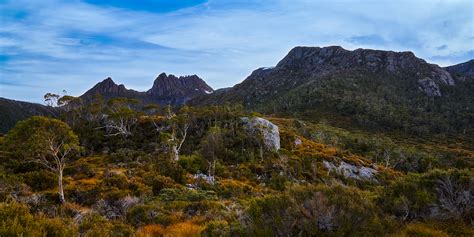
x=463, y=70
x=167, y=89
x=369, y=88
x=12, y=111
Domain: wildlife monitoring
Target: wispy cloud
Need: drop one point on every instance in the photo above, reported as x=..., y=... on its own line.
x=54, y=45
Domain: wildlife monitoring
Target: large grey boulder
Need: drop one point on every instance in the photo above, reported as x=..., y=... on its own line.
x=265, y=128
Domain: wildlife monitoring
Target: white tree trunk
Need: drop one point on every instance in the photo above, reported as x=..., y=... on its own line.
x=175, y=152
x=60, y=186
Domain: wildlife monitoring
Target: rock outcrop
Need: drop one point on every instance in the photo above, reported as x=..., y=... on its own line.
x=269, y=131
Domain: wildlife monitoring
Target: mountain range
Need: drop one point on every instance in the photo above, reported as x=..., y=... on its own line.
x=364, y=88
x=166, y=89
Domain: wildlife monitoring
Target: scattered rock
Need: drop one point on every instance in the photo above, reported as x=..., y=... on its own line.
x=298, y=142
x=207, y=178
x=351, y=171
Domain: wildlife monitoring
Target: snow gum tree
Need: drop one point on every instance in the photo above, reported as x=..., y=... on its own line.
x=49, y=142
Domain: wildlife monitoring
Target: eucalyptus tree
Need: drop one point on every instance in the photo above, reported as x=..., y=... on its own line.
x=46, y=141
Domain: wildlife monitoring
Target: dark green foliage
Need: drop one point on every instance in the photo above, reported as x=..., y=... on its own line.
x=217, y=229
x=437, y=194
x=319, y=210
x=147, y=214
x=14, y=111
x=16, y=220
x=40, y=180
x=95, y=225
x=158, y=182
x=378, y=102
x=33, y=138
x=173, y=194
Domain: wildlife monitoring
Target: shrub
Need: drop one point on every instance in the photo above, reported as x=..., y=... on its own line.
x=119, y=181
x=233, y=188
x=316, y=210
x=436, y=194
x=128, y=155
x=16, y=220
x=40, y=180
x=84, y=196
x=192, y=163
x=94, y=225
x=158, y=182
x=150, y=230
x=421, y=230
x=217, y=229
x=81, y=170
x=184, y=229
x=147, y=214
x=174, y=194
x=165, y=166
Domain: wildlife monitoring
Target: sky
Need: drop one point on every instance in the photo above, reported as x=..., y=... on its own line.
x=52, y=45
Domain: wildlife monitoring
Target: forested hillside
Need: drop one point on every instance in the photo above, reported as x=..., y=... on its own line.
x=13, y=111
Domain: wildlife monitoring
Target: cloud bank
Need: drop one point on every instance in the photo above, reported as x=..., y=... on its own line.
x=50, y=45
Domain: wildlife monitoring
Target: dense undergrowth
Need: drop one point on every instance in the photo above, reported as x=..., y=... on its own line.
x=226, y=182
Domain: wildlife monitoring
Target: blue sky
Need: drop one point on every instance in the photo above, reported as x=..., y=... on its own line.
x=52, y=45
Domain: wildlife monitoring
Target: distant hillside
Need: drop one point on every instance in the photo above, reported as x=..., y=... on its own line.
x=12, y=111
x=463, y=70
x=167, y=89
x=369, y=88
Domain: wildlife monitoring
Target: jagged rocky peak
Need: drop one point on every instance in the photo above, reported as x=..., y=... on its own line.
x=107, y=86
x=170, y=85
